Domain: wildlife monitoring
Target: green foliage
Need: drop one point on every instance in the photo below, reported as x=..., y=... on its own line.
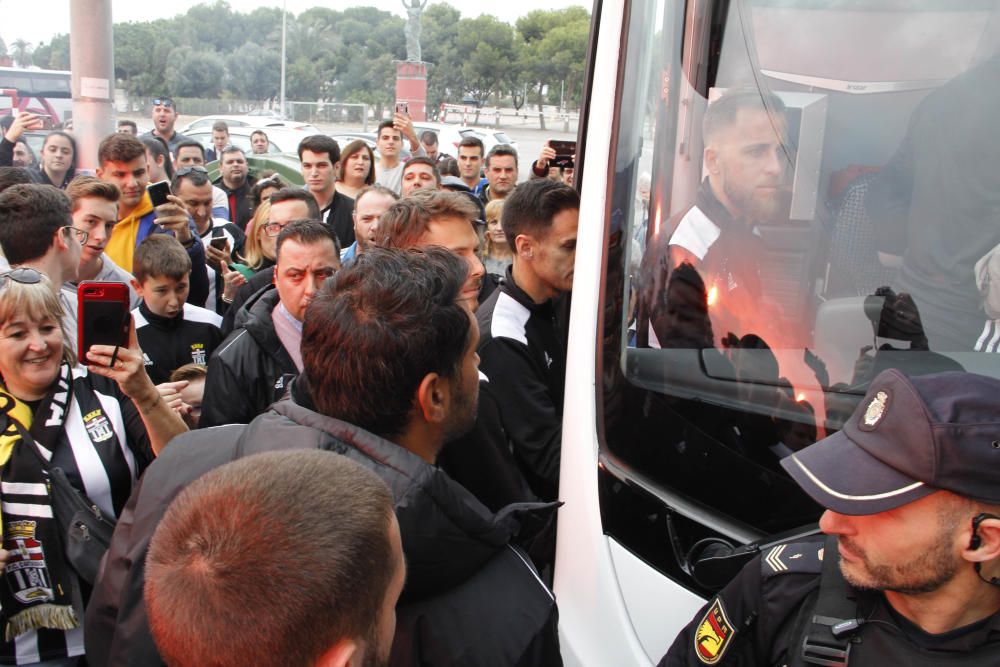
x=342, y=55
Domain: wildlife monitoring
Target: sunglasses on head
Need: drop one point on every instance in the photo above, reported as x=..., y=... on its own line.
x=193, y=169
x=163, y=102
x=22, y=275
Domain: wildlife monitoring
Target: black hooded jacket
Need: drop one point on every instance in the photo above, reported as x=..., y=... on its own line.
x=250, y=369
x=471, y=598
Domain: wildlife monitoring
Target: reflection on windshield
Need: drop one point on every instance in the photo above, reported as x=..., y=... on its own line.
x=801, y=218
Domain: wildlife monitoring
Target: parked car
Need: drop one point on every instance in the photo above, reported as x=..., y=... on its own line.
x=449, y=136
x=281, y=140
x=262, y=122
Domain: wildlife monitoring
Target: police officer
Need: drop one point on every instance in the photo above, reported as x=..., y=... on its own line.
x=909, y=573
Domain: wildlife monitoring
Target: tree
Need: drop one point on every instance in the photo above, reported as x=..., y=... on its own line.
x=488, y=56
x=254, y=72
x=54, y=55
x=194, y=73
x=21, y=53
x=439, y=45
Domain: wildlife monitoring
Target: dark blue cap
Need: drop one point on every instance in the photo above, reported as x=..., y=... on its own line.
x=908, y=438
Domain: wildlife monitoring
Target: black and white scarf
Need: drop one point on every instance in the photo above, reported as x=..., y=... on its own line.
x=40, y=589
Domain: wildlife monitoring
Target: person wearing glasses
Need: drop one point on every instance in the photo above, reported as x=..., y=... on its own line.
x=36, y=231
x=101, y=424
x=254, y=365
x=282, y=208
x=164, y=116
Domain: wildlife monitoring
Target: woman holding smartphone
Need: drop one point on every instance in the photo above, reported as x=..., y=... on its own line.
x=101, y=424
x=57, y=164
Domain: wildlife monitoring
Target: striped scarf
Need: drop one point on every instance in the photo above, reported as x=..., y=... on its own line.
x=41, y=585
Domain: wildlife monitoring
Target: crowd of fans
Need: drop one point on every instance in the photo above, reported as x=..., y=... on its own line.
x=348, y=314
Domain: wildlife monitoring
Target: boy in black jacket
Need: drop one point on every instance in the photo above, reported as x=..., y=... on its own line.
x=170, y=331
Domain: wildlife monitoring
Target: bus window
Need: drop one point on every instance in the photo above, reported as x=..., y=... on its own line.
x=792, y=212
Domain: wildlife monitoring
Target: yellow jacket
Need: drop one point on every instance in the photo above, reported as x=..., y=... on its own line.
x=129, y=231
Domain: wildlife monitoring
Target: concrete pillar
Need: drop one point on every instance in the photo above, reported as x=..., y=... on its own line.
x=91, y=59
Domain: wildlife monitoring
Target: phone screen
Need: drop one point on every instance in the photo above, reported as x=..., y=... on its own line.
x=103, y=316
x=158, y=192
x=219, y=242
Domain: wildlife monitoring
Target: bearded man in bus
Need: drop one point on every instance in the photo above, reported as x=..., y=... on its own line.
x=745, y=162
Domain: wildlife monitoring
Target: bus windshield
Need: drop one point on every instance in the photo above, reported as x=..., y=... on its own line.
x=806, y=195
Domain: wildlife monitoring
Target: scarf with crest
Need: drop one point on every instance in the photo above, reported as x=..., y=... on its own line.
x=41, y=586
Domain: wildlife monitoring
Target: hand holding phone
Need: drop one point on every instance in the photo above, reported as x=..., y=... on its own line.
x=103, y=316
x=565, y=153
x=158, y=193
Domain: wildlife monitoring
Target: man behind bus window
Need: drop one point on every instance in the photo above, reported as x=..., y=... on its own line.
x=745, y=160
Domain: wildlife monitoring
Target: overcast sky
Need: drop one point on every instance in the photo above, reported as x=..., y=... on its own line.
x=40, y=20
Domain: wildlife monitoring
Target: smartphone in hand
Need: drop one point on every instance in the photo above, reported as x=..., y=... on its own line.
x=103, y=315
x=158, y=192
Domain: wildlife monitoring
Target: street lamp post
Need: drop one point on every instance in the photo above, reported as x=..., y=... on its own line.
x=283, y=29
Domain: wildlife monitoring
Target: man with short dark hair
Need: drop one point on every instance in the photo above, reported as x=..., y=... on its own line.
x=746, y=164
x=480, y=460
x=192, y=154
x=389, y=377
x=470, y=163
x=13, y=176
x=287, y=206
x=319, y=156
x=36, y=231
x=523, y=345
x=192, y=187
x=122, y=161
x=909, y=573
x=259, y=143
x=388, y=167
x=255, y=363
x=369, y=205
x=220, y=139
x=311, y=507
x=429, y=140
x=164, y=115
x=501, y=173
x=126, y=126
x=419, y=173
x=236, y=182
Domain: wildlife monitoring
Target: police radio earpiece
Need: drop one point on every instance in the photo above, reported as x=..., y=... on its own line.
x=975, y=542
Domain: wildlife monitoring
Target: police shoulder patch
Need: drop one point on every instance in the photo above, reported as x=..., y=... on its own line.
x=715, y=634
x=792, y=558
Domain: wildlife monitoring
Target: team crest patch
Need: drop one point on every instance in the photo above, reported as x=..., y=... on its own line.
x=198, y=355
x=714, y=635
x=876, y=409
x=98, y=426
x=26, y=573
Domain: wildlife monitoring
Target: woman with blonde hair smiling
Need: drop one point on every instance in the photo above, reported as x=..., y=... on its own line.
x=93, y=428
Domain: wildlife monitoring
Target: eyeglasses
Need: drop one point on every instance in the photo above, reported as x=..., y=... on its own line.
x=193, y=169
x=274, y=228
x=22, y=275
x=80, y=234
x=163, y=102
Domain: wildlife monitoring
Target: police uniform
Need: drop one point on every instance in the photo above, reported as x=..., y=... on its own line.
x=791, y=605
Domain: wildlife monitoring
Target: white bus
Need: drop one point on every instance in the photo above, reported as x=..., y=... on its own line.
x=890, y=147
x=47, y=93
